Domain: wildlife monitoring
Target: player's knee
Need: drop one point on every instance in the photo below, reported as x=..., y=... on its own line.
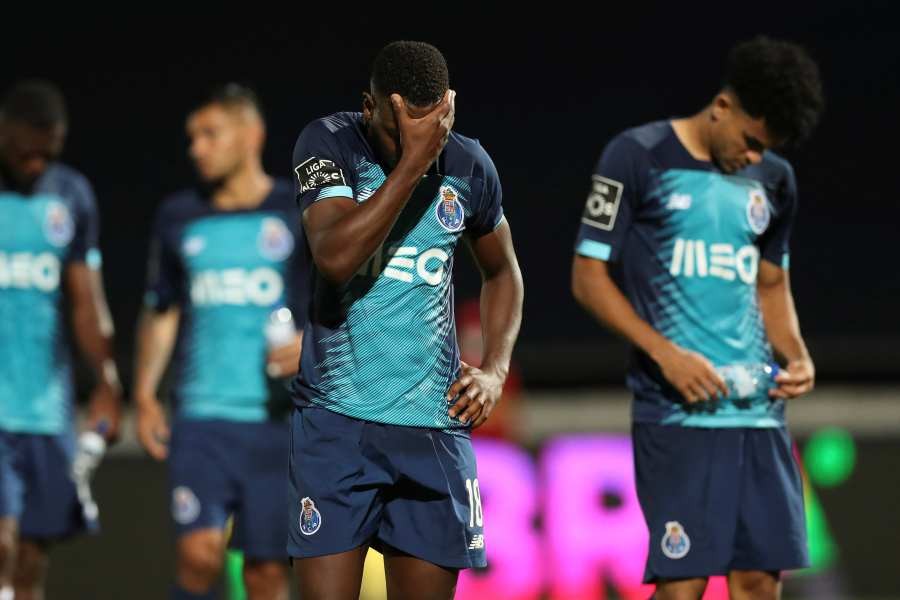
x=754, y=584
x=264, y=580
x=7, y=551
x=30, y=569
x=200, y=558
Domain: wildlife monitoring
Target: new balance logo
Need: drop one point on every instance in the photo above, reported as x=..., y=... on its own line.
x=477, y=542
x=692, y=258
x=679, y=202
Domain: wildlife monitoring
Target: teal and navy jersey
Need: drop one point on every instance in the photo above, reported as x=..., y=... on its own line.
x=382, y=347
x=226, y=271
x=40, y=234
x=684, y=241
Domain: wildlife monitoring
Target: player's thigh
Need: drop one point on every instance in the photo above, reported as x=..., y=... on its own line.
x=332, y=576
x=771, y=533
x=259, y=521
x=680, y=589
x=434, y=512
x=410, y=578
x=754, y=585
x=201, y=483
x=9, y=535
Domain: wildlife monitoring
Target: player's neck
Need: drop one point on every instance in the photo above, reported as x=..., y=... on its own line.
x=246, y=189
x=693, y=133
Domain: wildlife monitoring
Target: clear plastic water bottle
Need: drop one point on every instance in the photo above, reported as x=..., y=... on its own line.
x=280, y=329
x=88, y=454
x=748, y=380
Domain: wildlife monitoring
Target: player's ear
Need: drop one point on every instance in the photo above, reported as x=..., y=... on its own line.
x=368, y=106
x=722, y=105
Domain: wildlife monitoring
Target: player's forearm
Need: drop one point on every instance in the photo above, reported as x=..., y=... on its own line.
x=782, y=325
x=341, y=249
x=91, y=323
x=155, y=340
x=597, y=293
x=95, y=341
x=501, y=311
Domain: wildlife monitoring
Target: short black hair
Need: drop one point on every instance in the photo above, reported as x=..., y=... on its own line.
x=779, y=81
x=35, y=102
x=231, y=95
x=415, y=70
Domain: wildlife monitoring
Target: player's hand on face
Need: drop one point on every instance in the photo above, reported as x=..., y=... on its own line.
x=152, y=428
x=478, y=391
x=692, y=374
x=284, y=361
x=104, y=411
x=798, y=378
x=422, y=139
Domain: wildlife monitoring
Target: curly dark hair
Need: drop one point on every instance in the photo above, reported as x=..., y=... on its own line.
x=415, y=70
x=779, y=81
x=36, y=102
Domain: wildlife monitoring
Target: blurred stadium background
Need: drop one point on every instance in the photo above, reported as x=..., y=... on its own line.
x=543, y=97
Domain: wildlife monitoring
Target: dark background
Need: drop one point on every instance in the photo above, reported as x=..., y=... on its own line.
x=543, y=88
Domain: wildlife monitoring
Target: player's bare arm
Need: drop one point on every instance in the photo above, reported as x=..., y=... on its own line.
x=157, y=332
x=692, y=374
x=479, y=389
x=783, y=330
x=93, y=331
x=342, y=234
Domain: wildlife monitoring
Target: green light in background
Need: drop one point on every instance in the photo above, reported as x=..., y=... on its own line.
x=234, y=575
x=829, y=456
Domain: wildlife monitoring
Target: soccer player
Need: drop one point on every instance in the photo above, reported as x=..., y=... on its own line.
x=48, y=250
x=223, y=265
x=683, y=250
x=381, y=453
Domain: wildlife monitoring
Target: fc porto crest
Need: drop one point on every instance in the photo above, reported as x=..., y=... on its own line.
x=275, y=240
x=185, y=505
x=675, y=543
x=449, y=210
x=58, y=225
x=758, y=214
x=310, y=517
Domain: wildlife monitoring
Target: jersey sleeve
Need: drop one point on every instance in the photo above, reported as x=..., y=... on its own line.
x=85, y=244
x=320, y=168
x=165, y=274
x=489, y=212
x=616, y=190
x=774, y=243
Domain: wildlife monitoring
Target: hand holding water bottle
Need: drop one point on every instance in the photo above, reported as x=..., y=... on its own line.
x=691, y=373
x=796, y=379
x=284, y=344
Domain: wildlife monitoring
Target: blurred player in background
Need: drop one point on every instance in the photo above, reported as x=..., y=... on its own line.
x=223, y=277
x=683, y=250
x=48, y=250
x=381, y=452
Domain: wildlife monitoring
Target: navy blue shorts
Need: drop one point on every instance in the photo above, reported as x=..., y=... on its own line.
x=36, y=486
x=220, y=468
x=717, y=500
x=356, y=483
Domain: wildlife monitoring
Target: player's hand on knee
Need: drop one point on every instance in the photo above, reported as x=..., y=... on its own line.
x=477, y=393
x=695, y=378
x=152, y=428
x=798, y=378
x=422, y=139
